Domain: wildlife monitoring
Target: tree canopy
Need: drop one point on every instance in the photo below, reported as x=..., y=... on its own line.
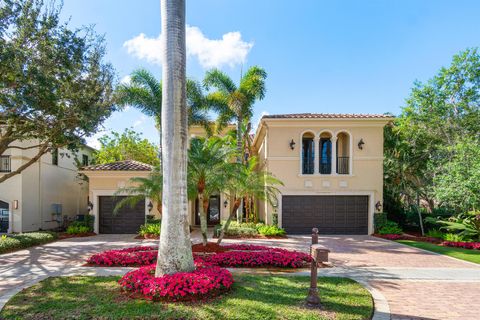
x=55, y=88
x=431, y=150
x=128, y=145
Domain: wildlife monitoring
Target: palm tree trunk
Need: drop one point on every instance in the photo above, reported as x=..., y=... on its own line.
x=203, y=217
x=236, y=204
x=175, y=250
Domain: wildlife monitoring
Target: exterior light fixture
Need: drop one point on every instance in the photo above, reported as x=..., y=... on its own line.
x=90, y=206
x=360, y=144
x=150, y=206
x=292, y=144
x=225, y=203
x=15, y=204
x=378, y=206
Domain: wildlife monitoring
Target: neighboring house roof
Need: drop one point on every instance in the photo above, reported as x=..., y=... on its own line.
x=126, y=165
x=326, y=116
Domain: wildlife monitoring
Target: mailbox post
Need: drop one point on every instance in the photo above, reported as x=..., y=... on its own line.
x=313, y=300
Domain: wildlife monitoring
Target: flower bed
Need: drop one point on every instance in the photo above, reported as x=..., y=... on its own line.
x=233, y=256
x=135, y=256
x=390, y=236
x=204, y=282
x=465, y=245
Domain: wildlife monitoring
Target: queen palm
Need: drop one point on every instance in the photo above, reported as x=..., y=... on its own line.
x=249, y=181
x=175, y=250
x=209, y=169
x=235, y=103
x=144, y=92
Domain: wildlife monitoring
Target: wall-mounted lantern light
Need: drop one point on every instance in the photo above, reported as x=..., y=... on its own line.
x=150, y=206
x=225, y=203
x=292, y=144
x=360, y=144
x=378, y=206
x=90, y=206
x=15, y=204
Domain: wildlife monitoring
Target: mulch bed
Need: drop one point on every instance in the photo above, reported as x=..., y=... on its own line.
x=148, y=236
x=256, y=236
x=211, y=247
x=65, y=235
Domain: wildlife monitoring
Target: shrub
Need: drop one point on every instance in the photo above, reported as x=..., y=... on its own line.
x=25, y=240
x=271, y=231
x=380, y=220
x=390, y=227
x=453, y=237
x=150, y=229
x=435, y=233
x=78, y=229
x=204, y=282
x=392, y=236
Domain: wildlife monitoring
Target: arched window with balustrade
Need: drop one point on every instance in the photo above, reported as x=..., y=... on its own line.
x=343, y=153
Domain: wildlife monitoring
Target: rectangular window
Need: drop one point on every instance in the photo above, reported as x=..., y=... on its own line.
x=55, y=157
x=5, y=164
x=84, y=160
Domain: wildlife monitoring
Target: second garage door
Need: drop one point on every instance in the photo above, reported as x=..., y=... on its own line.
x=330, y=214
x=127, y=220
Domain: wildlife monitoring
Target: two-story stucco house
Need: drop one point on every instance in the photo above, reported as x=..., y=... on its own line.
x=44, y=193
x=331, y=166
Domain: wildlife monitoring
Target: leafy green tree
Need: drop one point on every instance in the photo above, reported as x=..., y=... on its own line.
x=249, y=181
x=55, y=88
x=128, y=145
x=457, y=182
x=209, y=170
x=438, y=114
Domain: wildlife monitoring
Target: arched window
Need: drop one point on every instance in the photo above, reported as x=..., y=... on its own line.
x=343, y=153
x=308, y=153
x=325, y=153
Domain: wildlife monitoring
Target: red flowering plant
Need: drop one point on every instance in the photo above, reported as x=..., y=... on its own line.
x=465, y=245
x=134, y=256
x=204, y=282
x=238, y=255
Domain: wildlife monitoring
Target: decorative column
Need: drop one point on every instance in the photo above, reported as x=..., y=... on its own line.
x=334, y=154
x=316, y=155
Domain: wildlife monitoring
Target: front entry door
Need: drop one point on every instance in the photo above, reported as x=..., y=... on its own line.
x=213, y=212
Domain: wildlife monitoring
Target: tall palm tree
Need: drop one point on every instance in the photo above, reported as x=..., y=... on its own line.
x=249, y=181
x=235, y=103
x=175, y=249
x=144, y=92
x=209, y=169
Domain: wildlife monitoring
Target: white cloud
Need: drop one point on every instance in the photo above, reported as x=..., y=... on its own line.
x=230, y=50
x=139, y=121
x=256, y=121
x=126, y=79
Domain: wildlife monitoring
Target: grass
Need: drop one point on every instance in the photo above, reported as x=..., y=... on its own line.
x=25, y=240
x=252, y=297
x=459, y=253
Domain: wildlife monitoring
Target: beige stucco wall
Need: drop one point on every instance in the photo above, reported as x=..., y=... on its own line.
x=366, y=165
x=41, y=185
x=107, y=183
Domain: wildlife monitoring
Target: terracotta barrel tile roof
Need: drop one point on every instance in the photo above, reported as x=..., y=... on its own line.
x=326, y=116
x=126, y=165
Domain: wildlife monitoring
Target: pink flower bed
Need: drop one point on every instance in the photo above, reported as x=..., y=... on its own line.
x=135, y=256
x=466, y=245
x=237, y=256
x=204, y=282
x=390, y=236
x=249, y=259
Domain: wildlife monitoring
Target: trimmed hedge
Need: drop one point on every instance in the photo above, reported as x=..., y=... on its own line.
x=25, y=240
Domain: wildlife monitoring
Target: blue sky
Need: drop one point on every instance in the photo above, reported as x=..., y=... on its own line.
x=321, y=56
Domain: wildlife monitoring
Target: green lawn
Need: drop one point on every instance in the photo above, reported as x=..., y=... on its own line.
x=252, y=297
x=459, y=253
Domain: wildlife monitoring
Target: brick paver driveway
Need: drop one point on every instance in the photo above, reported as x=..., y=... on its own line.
x=417, y=284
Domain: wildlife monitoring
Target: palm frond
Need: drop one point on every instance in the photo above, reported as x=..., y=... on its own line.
x=219, y=80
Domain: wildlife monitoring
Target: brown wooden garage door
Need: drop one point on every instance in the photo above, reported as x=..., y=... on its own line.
x=330, y=214
x=127, y=220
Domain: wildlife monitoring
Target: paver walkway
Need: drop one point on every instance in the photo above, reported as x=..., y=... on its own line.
x=416, y=284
